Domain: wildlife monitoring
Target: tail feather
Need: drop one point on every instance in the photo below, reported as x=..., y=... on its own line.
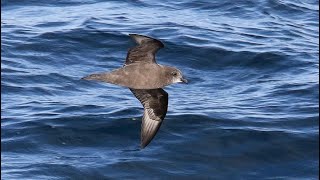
x=97, y=77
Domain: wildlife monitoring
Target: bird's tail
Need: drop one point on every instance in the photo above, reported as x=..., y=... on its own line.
x=96, y=77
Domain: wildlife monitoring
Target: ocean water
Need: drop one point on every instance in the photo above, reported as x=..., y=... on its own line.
x=250, y=111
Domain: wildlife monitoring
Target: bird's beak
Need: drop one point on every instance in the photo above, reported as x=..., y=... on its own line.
x=184, y=80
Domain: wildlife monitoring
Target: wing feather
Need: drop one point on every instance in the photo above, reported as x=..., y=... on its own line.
x=145, y=51
x=155, y=103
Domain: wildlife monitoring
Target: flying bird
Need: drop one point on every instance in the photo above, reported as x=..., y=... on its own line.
x=145, y=79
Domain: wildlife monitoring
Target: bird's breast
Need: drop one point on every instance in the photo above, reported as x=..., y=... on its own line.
x=138, y=77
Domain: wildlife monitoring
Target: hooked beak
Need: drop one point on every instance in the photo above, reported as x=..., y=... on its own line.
x=184, y=80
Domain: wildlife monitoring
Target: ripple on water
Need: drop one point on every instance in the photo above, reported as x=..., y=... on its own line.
x=250, y=111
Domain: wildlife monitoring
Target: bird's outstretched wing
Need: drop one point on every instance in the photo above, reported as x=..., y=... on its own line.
x=145, y=51
x=155, y=103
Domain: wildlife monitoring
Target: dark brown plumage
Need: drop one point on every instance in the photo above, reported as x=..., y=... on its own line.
x=145, y=78
x=146, y=50
x=155, y=104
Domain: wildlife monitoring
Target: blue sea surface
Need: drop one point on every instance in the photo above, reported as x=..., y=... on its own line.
x=250, y=111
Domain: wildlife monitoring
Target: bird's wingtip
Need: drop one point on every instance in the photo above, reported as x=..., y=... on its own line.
x=142, y=146
x=141, y=38
x=144, y=143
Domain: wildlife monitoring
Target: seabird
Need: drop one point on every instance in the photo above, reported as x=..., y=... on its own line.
x=145, y=79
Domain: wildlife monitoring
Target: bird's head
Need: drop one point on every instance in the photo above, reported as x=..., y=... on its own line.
x=175, y=75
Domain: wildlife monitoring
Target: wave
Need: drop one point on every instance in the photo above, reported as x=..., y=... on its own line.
x=97, y=138
x=252, y=100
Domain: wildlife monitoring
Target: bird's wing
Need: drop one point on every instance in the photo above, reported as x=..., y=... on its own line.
x=145, y=51
x=155, y=103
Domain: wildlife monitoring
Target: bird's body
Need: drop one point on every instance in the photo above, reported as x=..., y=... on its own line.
x=145, y=78
x=137, y=76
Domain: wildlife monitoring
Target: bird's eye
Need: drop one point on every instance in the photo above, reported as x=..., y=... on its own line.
x=174, y=73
